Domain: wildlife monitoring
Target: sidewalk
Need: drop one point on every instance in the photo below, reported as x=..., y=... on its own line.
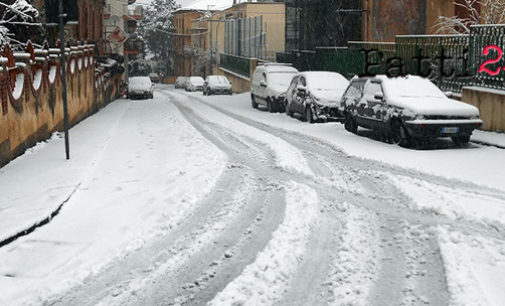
x=138, y=168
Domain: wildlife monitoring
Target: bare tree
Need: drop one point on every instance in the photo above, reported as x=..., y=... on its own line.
x=14, y=18
x=477, y=12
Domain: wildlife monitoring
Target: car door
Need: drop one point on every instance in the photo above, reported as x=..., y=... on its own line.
x=370, y=109
x=300, y=95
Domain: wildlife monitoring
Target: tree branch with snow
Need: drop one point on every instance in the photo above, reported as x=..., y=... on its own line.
x=476, y=12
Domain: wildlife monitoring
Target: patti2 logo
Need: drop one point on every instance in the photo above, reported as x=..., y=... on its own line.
x=483, y=68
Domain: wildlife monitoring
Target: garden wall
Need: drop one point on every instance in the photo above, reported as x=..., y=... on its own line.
x=31, y=94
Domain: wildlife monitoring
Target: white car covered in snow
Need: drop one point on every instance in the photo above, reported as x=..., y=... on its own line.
x=407, y=109
x=217, y=84
x=140, y=87
x=316, y=95
x=269, y=84
x=194, y=83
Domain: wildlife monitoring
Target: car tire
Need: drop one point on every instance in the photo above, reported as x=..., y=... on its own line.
x=288, y=111
x=253, y=103
x=308, y=116
x=270, y=106
x=399, y=135
x=461, y=140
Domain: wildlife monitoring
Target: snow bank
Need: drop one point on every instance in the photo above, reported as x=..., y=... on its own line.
x=454, y=201
x=265, y=281
x=475, y=267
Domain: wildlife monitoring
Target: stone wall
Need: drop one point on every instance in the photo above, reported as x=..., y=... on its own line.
x=491, y=104
x=31, y=94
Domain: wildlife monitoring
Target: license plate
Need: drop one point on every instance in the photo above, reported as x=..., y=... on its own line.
x=450, y=130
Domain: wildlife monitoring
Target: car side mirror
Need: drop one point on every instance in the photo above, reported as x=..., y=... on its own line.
x=379, y=96
x=448, y=94
x=301, y=88
x=263, y=84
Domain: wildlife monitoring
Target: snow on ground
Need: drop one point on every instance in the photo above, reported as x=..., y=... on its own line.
x=454, y=202
x=286, y=155
x=265, y=281
x=475, y=267
x=489, y=137
x=354, y=267
x=478, y=164
x=139, y=172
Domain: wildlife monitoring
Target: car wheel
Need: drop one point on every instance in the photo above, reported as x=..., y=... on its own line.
x=288, y=111
x=461, y=140
x=399, y=134
x=350, y=124
x=253, y=102
x=270, y=106
x=308, y=115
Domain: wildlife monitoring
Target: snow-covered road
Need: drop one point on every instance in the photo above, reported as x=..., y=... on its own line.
x=192, y=200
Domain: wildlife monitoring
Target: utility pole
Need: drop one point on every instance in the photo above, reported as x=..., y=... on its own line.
x=64, y=79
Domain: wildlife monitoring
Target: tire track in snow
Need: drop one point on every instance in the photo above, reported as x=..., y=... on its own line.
x=266, y=281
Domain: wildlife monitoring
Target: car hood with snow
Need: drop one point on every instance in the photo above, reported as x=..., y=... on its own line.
x=435, y=106
x=327, y=97
x=326, y=88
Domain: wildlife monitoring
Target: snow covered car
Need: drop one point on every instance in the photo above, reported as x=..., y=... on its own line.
x=180, y=82
x=270, y=82
x=407, y=110
x=316, y=95
x=194, y=84
x=217, y=84
x=140, y=87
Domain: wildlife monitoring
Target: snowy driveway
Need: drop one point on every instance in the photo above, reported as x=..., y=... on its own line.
x=192, y=200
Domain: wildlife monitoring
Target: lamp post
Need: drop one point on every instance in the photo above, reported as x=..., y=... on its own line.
x=64, y=79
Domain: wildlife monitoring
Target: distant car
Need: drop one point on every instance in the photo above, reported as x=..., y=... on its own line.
x=316, y=95
x=155, y=78
x=140, y=87
x=217, y=84
x=269, y=83
x=180, y=82
x=194, y=83
x=407, y=110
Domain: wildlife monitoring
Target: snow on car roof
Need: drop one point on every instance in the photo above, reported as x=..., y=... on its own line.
x=139, y=80
x=410, y=86
x=324, y=80
x=280, y=69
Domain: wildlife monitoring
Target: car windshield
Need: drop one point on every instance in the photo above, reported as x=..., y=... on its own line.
x=411, y=87
x=327, y=82
x=281, y=78
x=140, y=81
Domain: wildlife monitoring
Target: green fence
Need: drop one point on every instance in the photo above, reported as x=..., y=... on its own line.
x=480, y=38
x=450, y=61
x=237, y=64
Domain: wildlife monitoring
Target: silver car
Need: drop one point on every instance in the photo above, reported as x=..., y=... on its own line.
x=217, y=84
x=140, y=87
x=194, y=84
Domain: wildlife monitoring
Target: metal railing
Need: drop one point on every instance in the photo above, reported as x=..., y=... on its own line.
x=237, y=64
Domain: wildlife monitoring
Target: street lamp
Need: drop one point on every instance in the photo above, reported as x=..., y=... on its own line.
x=64, y=79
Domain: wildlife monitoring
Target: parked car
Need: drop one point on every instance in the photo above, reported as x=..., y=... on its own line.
x=316, y=95
x=140, y=87
x=217, y=84
x=155, y=78
x=180, y=82
x=269, y=83
x=194, y=83
x=407, y=110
